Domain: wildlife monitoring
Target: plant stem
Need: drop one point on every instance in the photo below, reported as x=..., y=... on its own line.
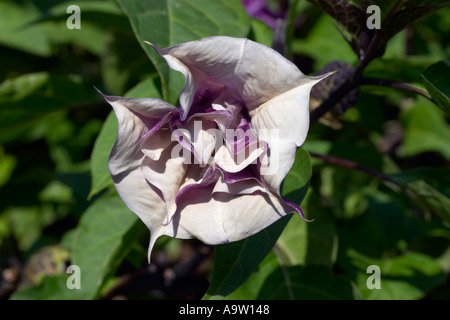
x=352, y=165
x=354, y=78
x=396, y=84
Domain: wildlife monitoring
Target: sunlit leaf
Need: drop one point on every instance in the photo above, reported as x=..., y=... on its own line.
x=313, y=243
x=104, y=236
x=425, y=130
x=51, y=288
x=405, y=277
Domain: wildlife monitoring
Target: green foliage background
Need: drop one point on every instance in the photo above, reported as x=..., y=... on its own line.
x=58, y=205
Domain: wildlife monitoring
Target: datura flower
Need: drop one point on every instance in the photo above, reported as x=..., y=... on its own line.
x=211, y=167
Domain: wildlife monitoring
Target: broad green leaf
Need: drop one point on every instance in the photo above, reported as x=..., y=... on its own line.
x=404, y=69
x=425, y=130
x=293, y=242
x=51, y=288
x=436, y=79
x=262, y=33
x=295, y=184
x=101, y=178
x=405, y=277
x=313, y=243
x=306, y=283
x=250, y=289
x=26, y=99
x=301, y=243
x=104, y=236
x=324, y=44
x=170, y=22
x=105, y=140
x=234, y=262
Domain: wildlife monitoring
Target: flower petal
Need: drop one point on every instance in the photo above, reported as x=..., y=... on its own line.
x=234, y=218
x=134, y=120
x=166, y=174
x=145, y=107
x=157, y=139
x=282, y=122
x=254, y=72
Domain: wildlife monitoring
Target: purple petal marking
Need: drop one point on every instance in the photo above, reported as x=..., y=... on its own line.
x=296, y=208
x=168, y=117
x=211, y=176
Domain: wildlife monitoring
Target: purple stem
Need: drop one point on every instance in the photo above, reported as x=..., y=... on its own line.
x=353, y=165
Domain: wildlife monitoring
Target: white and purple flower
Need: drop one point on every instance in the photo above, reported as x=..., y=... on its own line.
x=211, y=167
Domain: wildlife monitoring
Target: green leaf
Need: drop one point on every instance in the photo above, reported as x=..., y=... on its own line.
x=250, y=289
x=7, y=164
x=306, y=244
x=306, y=283
x=28, y=98
x=234, y=262
x=404, y=69
x=170, y=22
x=123, y=64
x=425, y=130
x=436, y=79
x=432, y=199
x=405, y=277
x=104, y=236
x=437, y=178
x=313, y=243
x=17, y=32
x=51, y=288
x=262, y=33
x=295, y=185
x=324, y=44
x=101, y=178
x=432, y=188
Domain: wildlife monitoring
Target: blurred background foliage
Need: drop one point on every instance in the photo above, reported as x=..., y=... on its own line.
x=388, y=206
